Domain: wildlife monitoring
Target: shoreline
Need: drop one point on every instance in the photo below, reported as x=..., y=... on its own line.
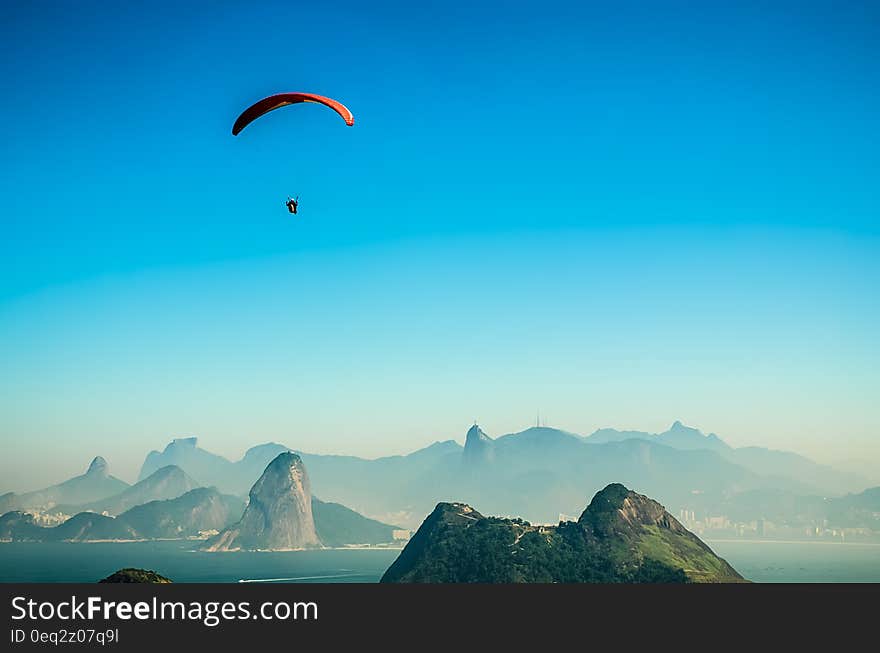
x=754, y=541
x=354, y=547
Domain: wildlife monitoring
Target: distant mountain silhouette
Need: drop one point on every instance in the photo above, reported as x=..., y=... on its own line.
x=765, y=462
x=533, y=473
x=337, y=525
x=338, y=471
x=18, y=526
x=787, y=508
x=860, y=510
x=91, y=526
x=194, y=512
x=210, y=469
x=95, y=484
x=202, y=509
x=678, y=436
x=8, y=501
x=478, y=447
x=787, y=465
x=167, y=482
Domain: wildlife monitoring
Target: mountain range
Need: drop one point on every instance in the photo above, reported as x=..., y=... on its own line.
x=541, y=471
x=859, y=511
x=209, y=469
x=766, y=462
x=280, y=514
x=198, y=511
x=534, y=473
x=167, y=482
x=95, y=484
x=201, y=509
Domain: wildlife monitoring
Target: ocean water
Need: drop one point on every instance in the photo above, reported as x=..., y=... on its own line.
x=766, y=562
x=801, y=562
x=88, y=562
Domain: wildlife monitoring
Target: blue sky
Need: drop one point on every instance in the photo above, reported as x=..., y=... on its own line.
x=620, y=216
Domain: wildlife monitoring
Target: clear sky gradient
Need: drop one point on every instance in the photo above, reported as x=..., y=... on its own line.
x=619, y=216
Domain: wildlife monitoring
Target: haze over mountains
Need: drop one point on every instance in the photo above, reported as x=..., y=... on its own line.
x=166, y=482
x=537, y=474
x=767, y=462
x=201, y=509
x=95, y=484
x=280, y=514
x=210, y=469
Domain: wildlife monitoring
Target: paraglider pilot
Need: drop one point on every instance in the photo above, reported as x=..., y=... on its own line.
x=292, y=204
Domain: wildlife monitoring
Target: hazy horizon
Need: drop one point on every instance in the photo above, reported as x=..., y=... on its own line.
x=680, y=223
x=36, y=473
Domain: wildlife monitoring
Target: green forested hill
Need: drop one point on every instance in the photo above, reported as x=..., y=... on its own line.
x=622, y=537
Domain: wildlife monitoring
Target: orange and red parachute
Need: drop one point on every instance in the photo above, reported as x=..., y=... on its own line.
x=273, y=102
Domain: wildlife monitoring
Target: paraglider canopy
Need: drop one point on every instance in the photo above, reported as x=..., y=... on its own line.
x=273, y=102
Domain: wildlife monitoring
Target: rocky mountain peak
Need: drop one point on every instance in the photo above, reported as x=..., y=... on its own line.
x=616, y=508
x=279, y=514
x=688, y=437
x=621, y=537
x=477, y=446
x=98, y=467
x=457, y=512
x=475, y=435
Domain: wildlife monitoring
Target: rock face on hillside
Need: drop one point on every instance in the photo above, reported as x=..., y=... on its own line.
x=98, y=466
x=477, y=447
x=616, y=510
x=622, y=536
x=279, y=514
